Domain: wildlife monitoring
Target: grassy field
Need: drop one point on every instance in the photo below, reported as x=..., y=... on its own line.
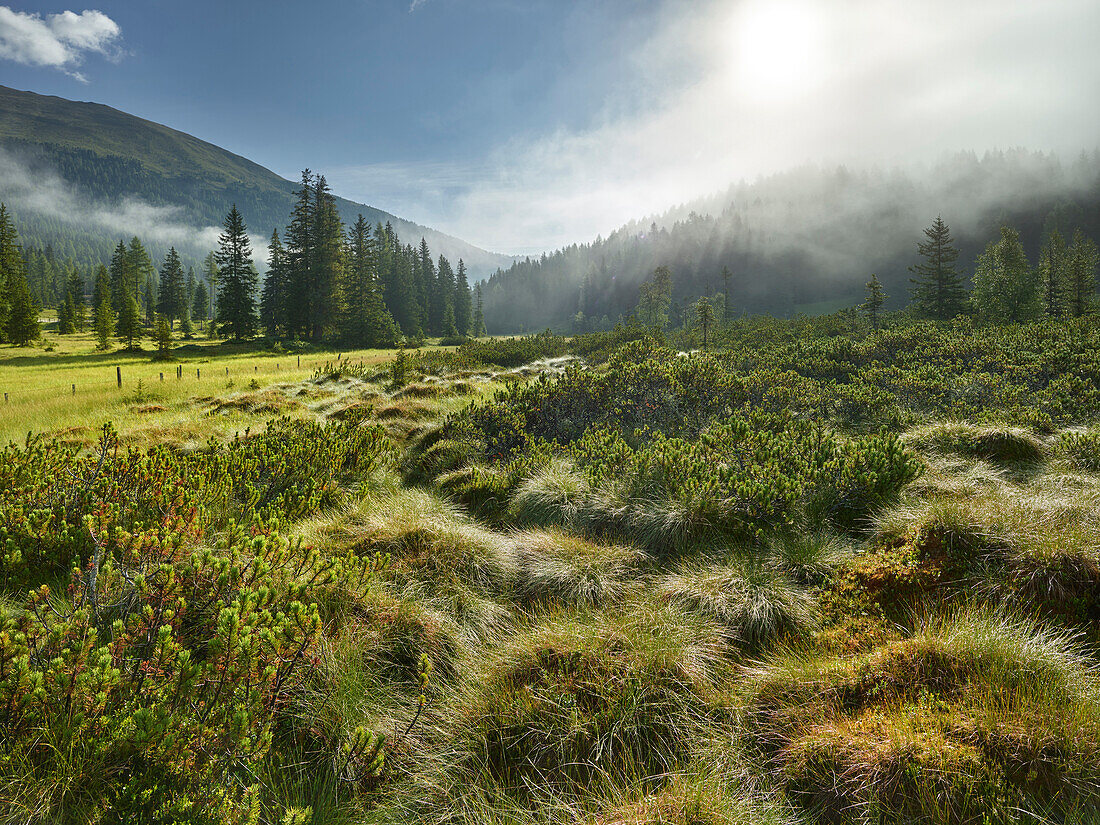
x=831, y=581
x=72, y=389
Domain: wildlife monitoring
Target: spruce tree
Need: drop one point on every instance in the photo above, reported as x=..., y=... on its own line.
x=704, y=318
x=462, y=303
x=726, y=275
x=479, y=315
x=210, y=273
x=442, y=301
x=1006, y=287
x=171, y=303
x=128, y=328
x=875, y=299
x=74, y=290
x=1052, y=275
x=65, y=324
x=1081, y=262
x=200, y=305
x=237, y=278
x=938, y=292
x=328, y=271
x=23, y=325
x=11, y=261
x=102, y=289
x=122, y=281
x=300, y=260
x=366, y=321
x=273, y=302
x=104, y=322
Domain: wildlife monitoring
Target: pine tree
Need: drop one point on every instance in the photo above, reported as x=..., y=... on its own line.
x=74, y=290
x=655, y=298
x=875, y=299
x=11, y=262
x=200, y=305
x=65, y=324
x=462, y=303
x=1052, y=275
x=237, y=289
x=144, y=278
x=704, y=317
x=128, y=328
x=726, y=275
x=938, y=291
x=1081, y=262
x=1006, y=288
x=210, y=273
x=300, y=260
x=163, y=334
x=104, y=322
x=328, y=273
x=171, y=303
x=366, y=321
x=442, y=299
x=273, y=302
x=122, y=281
x=479, y=315
x=102, y=289
x=393, y=274
x=23, y=325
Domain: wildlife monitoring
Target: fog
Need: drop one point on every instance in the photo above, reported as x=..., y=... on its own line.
x=33, y=187
x=726, y=91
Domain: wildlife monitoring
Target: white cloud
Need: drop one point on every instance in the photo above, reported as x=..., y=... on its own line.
x=58, y=41
x=773, y=84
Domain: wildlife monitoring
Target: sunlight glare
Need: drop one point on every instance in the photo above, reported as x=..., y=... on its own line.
x=776, y=49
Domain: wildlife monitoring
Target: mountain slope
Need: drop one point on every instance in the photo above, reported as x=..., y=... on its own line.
x=806, y=240
x=106, y=160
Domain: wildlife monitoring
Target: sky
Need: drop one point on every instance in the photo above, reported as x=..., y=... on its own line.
x=525, y=125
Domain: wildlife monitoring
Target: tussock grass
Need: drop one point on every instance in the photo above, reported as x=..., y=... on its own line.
x=426, y=538
x=976, y=713
x=809, y=556
x=554, y=567
x=1002, y=445
x=757, y=606
x=552, y=496
x=578, y=697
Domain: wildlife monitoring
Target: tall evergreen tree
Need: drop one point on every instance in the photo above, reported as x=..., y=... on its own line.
x=479, y=314
x=102, y=289
x=328, y=272
x=300, y=259
x=938, y=291
x=172, y=301
x=144, y=277
x=1081, y=262
x=704, y=318
x=128, y=327
x=726, y=275
x=1006, y=288
x=463, y=304
x=74, y=291
x=875, y=299
x=443, y=296
x=210, y=273
x=1052, y=275
x=431, y=312
x=273, y=303
x=122, y=279
x=104, y=321
x=23, y=325
x=11, y=262
x=367, y=322
x=200, y=305
x=237, y=276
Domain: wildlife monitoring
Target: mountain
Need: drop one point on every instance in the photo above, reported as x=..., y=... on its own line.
x=806, y=240
x=81, y=175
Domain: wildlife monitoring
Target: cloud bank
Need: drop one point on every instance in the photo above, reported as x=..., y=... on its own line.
x=34, y=188
x=59, y=41
x=721, y=91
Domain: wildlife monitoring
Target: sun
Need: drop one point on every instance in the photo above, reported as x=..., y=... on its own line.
x=776, y=46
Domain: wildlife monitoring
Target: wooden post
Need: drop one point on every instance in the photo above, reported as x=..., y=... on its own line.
x=197, y=373
x=162, y=376
x=118, y=376
x=299, y=360
x=5, y=398
x=74, y=389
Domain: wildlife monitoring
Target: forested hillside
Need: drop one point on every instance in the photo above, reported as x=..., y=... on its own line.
x=803, y=241
x=73, y=172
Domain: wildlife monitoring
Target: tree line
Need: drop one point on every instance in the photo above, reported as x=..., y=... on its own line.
x=325, y=282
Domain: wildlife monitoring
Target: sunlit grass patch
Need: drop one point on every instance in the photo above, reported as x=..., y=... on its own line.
x=554, y=567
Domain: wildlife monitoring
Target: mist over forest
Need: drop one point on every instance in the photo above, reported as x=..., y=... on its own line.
x=804, y=240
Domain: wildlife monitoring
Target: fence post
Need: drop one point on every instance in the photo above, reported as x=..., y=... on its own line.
x=118, y=376
x=74, y=389
x=197, y=373
x=162, y=376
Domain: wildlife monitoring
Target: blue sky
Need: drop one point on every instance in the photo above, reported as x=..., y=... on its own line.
x=522, y=125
